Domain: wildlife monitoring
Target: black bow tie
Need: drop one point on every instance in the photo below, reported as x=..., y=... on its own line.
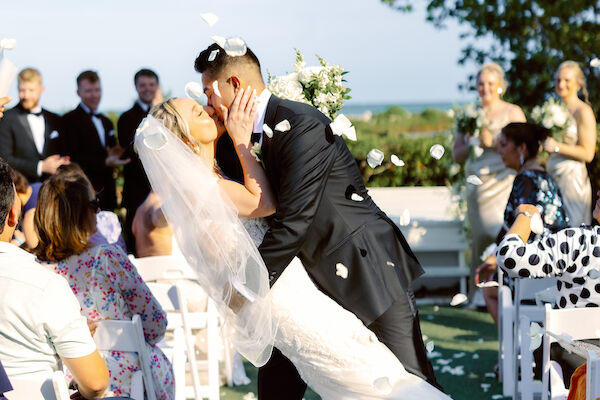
x=255, y=137
x=37, y=114
x=93, y=114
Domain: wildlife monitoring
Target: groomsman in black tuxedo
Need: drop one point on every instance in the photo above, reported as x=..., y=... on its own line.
x=136, y=185
x=91, y=140
x=352, y=251
x=32, y=138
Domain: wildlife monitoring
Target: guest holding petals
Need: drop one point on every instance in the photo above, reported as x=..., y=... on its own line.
x=486, y=202
x=106, y=284
x=567, y=158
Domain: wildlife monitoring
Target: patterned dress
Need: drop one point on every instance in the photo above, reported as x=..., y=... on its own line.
x=108, y=286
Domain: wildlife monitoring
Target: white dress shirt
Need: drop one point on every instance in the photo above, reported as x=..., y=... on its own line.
x=261, y=111
x=39, y=316
x=144, y=106
x=97, y=123
x=37, y=124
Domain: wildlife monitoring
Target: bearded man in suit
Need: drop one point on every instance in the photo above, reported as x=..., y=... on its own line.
x=32, y=138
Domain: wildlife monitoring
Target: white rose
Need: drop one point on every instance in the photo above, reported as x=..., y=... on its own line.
x=321, y=98
x=307, y=74
x=560, y=118
x=548, y=122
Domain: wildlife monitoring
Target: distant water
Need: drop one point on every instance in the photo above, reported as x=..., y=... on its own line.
x=357, y=109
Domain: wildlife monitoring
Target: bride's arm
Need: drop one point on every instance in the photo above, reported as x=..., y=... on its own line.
x=254, y=198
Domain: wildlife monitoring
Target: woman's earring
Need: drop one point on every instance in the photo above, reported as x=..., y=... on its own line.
x=521, y=158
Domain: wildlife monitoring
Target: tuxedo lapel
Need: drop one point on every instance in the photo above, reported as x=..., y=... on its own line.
x=270, y=114
x=22, y=118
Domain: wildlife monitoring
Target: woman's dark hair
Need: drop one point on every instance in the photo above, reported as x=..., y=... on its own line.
x=20, y=181
x=62, y=217
x=525, y=132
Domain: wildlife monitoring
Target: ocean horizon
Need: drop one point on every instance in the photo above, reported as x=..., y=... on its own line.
x=359, y=109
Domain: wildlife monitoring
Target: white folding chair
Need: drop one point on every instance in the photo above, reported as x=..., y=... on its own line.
x=574, y=323
x=128, y=336
x=173, y=302
x=593, y=376
x=36, y=387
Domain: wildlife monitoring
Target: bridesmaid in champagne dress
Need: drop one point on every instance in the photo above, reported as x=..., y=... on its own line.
x=568, y=157
x=486, y=202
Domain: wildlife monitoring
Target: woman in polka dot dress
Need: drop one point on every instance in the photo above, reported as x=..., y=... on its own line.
x=572, y=255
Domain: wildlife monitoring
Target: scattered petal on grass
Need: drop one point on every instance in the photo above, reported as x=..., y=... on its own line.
x=459, y=355
x=436, y=308
x=456, y=371
x=356, y=197
x=487, y=284
x=424, y=337
x=497, y=397
x=213, y=54
x=480, y=340
x=249, y=396
x=405, y=218
x=374, y=158
x=486, y=386
x=396, y=161
x=443, y=361
x=437, y=151
x=458, y=299
x=341, y=270
x=474, y=180
x=210, y=18
x=283, y=126
x=537, y=226
x=434, y=354
x=490, y=375
x=475, y=356
x=215, y=86
x=429, y=346
x=268, y=131
x=429, y=317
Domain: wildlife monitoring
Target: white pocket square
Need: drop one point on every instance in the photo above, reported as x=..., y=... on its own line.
x=111, y=133
x=53, y=134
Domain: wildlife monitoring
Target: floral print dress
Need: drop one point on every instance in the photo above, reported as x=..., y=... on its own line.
x=108, y=286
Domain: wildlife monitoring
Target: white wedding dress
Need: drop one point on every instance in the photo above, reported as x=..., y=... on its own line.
x=335, y=354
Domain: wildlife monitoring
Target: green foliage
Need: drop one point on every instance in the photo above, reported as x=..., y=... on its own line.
x=387, y=132
x=531, y=38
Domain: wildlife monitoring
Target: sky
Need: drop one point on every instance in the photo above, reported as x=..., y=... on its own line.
x=392, y=57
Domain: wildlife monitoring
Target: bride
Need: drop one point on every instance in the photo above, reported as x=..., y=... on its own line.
x=332, y=350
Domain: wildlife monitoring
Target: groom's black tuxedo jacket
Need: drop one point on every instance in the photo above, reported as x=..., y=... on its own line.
x=17, y=145
x=313, y=175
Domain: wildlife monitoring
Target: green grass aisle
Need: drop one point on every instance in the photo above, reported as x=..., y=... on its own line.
x=465, y=350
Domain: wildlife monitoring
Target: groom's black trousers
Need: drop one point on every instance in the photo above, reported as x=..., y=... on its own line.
x=398, y=328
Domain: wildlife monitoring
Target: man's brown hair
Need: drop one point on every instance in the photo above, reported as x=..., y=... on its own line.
x=91, y=76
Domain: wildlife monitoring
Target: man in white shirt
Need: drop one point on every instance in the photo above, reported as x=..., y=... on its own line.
x=31, y=138
x=40, y=317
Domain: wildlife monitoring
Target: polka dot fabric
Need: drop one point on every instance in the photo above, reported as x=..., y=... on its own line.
x=572, y=255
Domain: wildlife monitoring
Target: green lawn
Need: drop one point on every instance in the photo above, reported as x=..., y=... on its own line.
x=461, y=337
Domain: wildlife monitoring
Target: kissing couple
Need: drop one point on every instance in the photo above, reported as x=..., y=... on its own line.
x=314, y=286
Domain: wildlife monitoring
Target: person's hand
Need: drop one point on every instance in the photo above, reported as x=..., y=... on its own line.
x=550, y=145
x=239, y=119
x=484, y=272
x=528, y=208
x=18, y=238
x=92, y=326
x=50, y=164
x=3, y=101
x=114, y=156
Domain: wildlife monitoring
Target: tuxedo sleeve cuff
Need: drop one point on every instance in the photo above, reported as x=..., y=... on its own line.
x=39, y=168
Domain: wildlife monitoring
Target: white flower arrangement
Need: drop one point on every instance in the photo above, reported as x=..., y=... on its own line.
x=321, y=86
x=553, y=115
x=470, y=119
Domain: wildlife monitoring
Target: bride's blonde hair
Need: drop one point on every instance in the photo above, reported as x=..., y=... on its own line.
x=579, y=76
x=173, y=121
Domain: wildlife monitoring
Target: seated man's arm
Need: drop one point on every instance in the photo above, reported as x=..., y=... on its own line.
x=90, y=374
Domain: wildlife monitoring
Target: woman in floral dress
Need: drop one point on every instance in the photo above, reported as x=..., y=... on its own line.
x=102, y=278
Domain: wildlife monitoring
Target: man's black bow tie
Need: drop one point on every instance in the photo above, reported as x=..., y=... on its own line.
x=37, y=114
x=93, y=114
x=255, y=137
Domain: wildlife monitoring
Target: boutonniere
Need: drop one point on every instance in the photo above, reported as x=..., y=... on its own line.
x=256, y=151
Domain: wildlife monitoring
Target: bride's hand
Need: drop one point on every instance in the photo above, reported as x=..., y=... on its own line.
x=239, y=119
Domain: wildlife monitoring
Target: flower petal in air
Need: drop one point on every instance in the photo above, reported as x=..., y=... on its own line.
x=341, y=270
x=215, y=86
x=458, y=299
x=220, y=40
x=210, y=18
x=341, y=125
x=356, y=197
x=474, y=180
x=268, y=131
x=405, y=218
x=283, y=126
x=374, y=158
x=429, y=346
x=213, y=54
x=437, y=151
x=396, y=161
x=8, y=44
x=194, y=90
x=235, y=47
x=536, y=224
x=487, y=284
x=595, y=63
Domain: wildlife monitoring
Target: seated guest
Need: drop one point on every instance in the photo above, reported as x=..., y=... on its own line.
x=26, y=237
x=32, y=138
x=153, y=235
x=518, y=146
x=135, y=183
x=39, y=315
x=91, y=142
x=104, y=281
x=571, y=255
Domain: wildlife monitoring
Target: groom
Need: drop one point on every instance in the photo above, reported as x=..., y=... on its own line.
x=351, y=249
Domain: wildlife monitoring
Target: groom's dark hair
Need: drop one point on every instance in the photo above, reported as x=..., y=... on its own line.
x=222, y=61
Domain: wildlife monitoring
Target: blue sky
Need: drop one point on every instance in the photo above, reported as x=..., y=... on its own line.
x=391, y=56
